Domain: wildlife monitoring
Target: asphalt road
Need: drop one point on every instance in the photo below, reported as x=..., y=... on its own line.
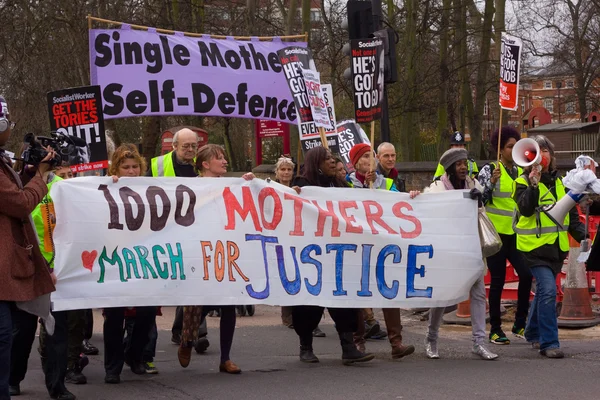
x=267, y=353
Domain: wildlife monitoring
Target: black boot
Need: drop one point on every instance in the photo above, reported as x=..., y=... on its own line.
x=350, y=354
x=307, y=355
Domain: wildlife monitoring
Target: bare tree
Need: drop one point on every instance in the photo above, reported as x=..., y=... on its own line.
x=567, y=33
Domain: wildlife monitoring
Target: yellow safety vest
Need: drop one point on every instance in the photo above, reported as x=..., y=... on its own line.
x=473, y=169
x=502, y=206
x=163, y=165
x=531, y=234
x=44, y=219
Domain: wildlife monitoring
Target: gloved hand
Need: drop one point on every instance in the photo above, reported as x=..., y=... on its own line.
x=476, y=194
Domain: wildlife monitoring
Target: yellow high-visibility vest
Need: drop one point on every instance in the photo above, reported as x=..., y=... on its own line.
x=530, y=235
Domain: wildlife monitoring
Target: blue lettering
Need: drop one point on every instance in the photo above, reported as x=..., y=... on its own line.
x=339, y=265
x=412, y=270
x=305, y=257
x=263, y=241
x=384, y=289
x=365, y=279
x=291, y=287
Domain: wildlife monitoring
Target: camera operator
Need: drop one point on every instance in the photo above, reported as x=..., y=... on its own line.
x=24, y=273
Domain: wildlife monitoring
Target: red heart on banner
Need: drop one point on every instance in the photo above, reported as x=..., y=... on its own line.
x=88, y=258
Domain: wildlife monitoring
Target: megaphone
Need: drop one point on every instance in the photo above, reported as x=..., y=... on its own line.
x=527, y=152
x=561, y=208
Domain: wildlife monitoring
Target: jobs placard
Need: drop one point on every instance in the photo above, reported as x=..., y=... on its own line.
x=510, y=59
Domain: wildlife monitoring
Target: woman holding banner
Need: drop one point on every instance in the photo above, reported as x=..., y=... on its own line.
x=319, y=170
x=284, y=173
x=126, y=162
x=362, y=158
x=211, y=163
x=455, y=163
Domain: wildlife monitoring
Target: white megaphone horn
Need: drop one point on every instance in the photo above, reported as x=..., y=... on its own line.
x=561, y=208
x=527, y=152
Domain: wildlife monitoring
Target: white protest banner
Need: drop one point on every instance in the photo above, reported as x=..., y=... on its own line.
x=510, y=61
x=318, y=107
x=145, y=73
x=327, y=91
x=218, y=241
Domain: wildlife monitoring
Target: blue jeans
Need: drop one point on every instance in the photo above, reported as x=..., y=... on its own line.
x=5, y=346
x=542, y=325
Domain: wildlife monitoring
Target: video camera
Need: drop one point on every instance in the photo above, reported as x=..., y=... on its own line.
x=62, y=144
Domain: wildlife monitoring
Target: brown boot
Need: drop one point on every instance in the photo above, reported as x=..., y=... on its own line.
x=184, y=354
x=393, y=324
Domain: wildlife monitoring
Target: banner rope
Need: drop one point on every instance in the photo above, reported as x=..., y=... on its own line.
x=192, y=34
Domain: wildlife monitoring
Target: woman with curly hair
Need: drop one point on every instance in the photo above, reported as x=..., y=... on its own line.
x=126, y=161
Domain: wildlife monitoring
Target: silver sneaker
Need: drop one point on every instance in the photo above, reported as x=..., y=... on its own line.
x=483, y=352
x=431, y=349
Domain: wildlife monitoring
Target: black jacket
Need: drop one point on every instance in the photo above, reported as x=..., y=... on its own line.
x=527, y=198
x=395, y=176
x=322, y=181
x=593, y=262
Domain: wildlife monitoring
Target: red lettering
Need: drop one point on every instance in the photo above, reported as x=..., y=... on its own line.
x=298, y=204
x=323, y=215
x=397, y=210
x=375, y=217
x=232, y=206
x=277, y=208
x=73, y=120
x=350, y=220
x=205, y=259
x=93, y=117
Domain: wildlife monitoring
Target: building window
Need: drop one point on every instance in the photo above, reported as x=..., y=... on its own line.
x=523, y=106
x=315, y=15
x=527, y=86
x=570, y=107
x=549, y=104
x=570, y=83
x=486, y=107
x=547, y=85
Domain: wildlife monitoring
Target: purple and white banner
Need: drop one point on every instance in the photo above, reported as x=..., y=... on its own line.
x=145, y=73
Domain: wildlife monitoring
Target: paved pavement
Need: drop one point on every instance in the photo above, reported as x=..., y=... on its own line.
x=267, y=353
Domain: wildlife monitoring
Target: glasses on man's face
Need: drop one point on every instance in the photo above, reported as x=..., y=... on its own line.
x=188, y=146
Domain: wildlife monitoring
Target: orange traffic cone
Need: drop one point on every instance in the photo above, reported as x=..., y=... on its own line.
x=576, y=309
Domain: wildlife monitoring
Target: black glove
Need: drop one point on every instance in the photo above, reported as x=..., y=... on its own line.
x=476, y=194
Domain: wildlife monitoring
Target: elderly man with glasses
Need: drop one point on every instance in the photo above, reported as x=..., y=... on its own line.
x=180, y=161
